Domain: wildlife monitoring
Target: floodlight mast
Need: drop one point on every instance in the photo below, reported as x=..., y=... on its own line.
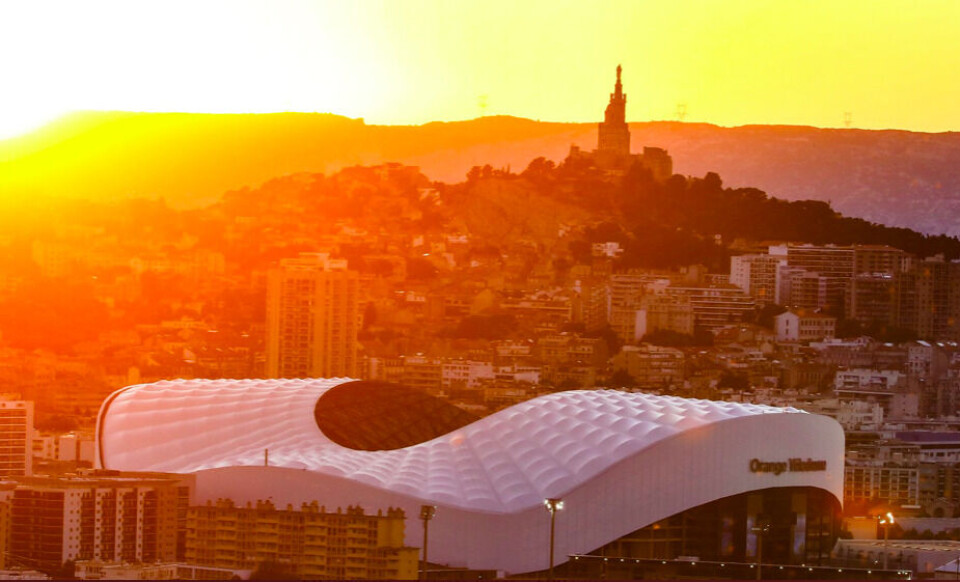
x=553, y=505
x=426, y=514
x=760, y=530
x=886, y=521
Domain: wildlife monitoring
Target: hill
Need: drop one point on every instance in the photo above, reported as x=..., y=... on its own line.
x=898, y=178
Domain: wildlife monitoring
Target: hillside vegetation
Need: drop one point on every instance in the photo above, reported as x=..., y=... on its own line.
x=893, y=177
x=679, y=222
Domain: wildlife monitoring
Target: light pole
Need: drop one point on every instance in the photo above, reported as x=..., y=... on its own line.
x=760, y=530
x=886, y=521
x=426, y=514
x=553, y=506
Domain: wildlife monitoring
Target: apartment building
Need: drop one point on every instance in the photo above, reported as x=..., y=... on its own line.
x=310, y=541
x=884, y=470
x=715, y=306
x=312, y=318
x=16, y=438
x=107, y=516
x=649, y=365
x=756, y=275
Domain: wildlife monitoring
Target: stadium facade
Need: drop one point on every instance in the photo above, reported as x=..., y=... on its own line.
x=640, y=475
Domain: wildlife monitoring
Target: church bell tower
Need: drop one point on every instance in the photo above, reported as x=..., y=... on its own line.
x=614, y=138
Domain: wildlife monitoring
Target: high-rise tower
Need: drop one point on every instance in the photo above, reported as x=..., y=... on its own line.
x=16, y=438
x=312, y=318
x=614, y=139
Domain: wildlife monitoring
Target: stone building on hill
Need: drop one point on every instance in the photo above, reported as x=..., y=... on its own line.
x=613, y=144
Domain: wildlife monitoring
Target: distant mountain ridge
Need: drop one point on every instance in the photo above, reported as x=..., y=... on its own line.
x=898, y=178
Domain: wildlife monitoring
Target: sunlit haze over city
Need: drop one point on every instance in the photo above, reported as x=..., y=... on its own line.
x=473, y=290
x=888, y=63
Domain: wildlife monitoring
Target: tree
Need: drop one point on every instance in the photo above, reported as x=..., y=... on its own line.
x=67, y=571
x=623, y=379
x=609, y=337
x=848, y=328
x=369, y=315
x=574, y=327
x=539, y=171
x=582, y=251
x=606, y=232
x=734, y=381
x=488, y=327
x=712, y=182
x=60, y=423
x=420, y=269
x=271, y=570
x=768, y=313
x=668, y=337
x=569, y=384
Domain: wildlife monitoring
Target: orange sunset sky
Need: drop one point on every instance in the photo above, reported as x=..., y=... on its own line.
x=891, y=64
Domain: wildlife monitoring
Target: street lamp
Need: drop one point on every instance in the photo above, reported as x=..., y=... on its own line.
x=553, y=505
x=760, y=530
x=426, y=514
x=886, y=521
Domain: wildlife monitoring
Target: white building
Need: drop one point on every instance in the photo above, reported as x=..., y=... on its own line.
x=756, y=275
x=865, y=379
x=886, y=387
x=620, y=462
x=97, y=570
x=65, y=447
x=465, y=373
x=926, y=558
x=851, y=414
x=804, y=326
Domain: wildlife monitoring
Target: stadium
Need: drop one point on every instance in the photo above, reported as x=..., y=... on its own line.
x=640, y=476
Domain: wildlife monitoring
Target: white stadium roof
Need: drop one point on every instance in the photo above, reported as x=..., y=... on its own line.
x=619, y=460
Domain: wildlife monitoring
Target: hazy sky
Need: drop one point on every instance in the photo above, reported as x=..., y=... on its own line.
x=890, y=63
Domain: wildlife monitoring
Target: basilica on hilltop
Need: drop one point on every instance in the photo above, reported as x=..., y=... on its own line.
x=613, y=145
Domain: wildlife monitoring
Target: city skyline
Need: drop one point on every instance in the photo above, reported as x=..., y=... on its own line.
x=871, y=65
x=226, y=337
